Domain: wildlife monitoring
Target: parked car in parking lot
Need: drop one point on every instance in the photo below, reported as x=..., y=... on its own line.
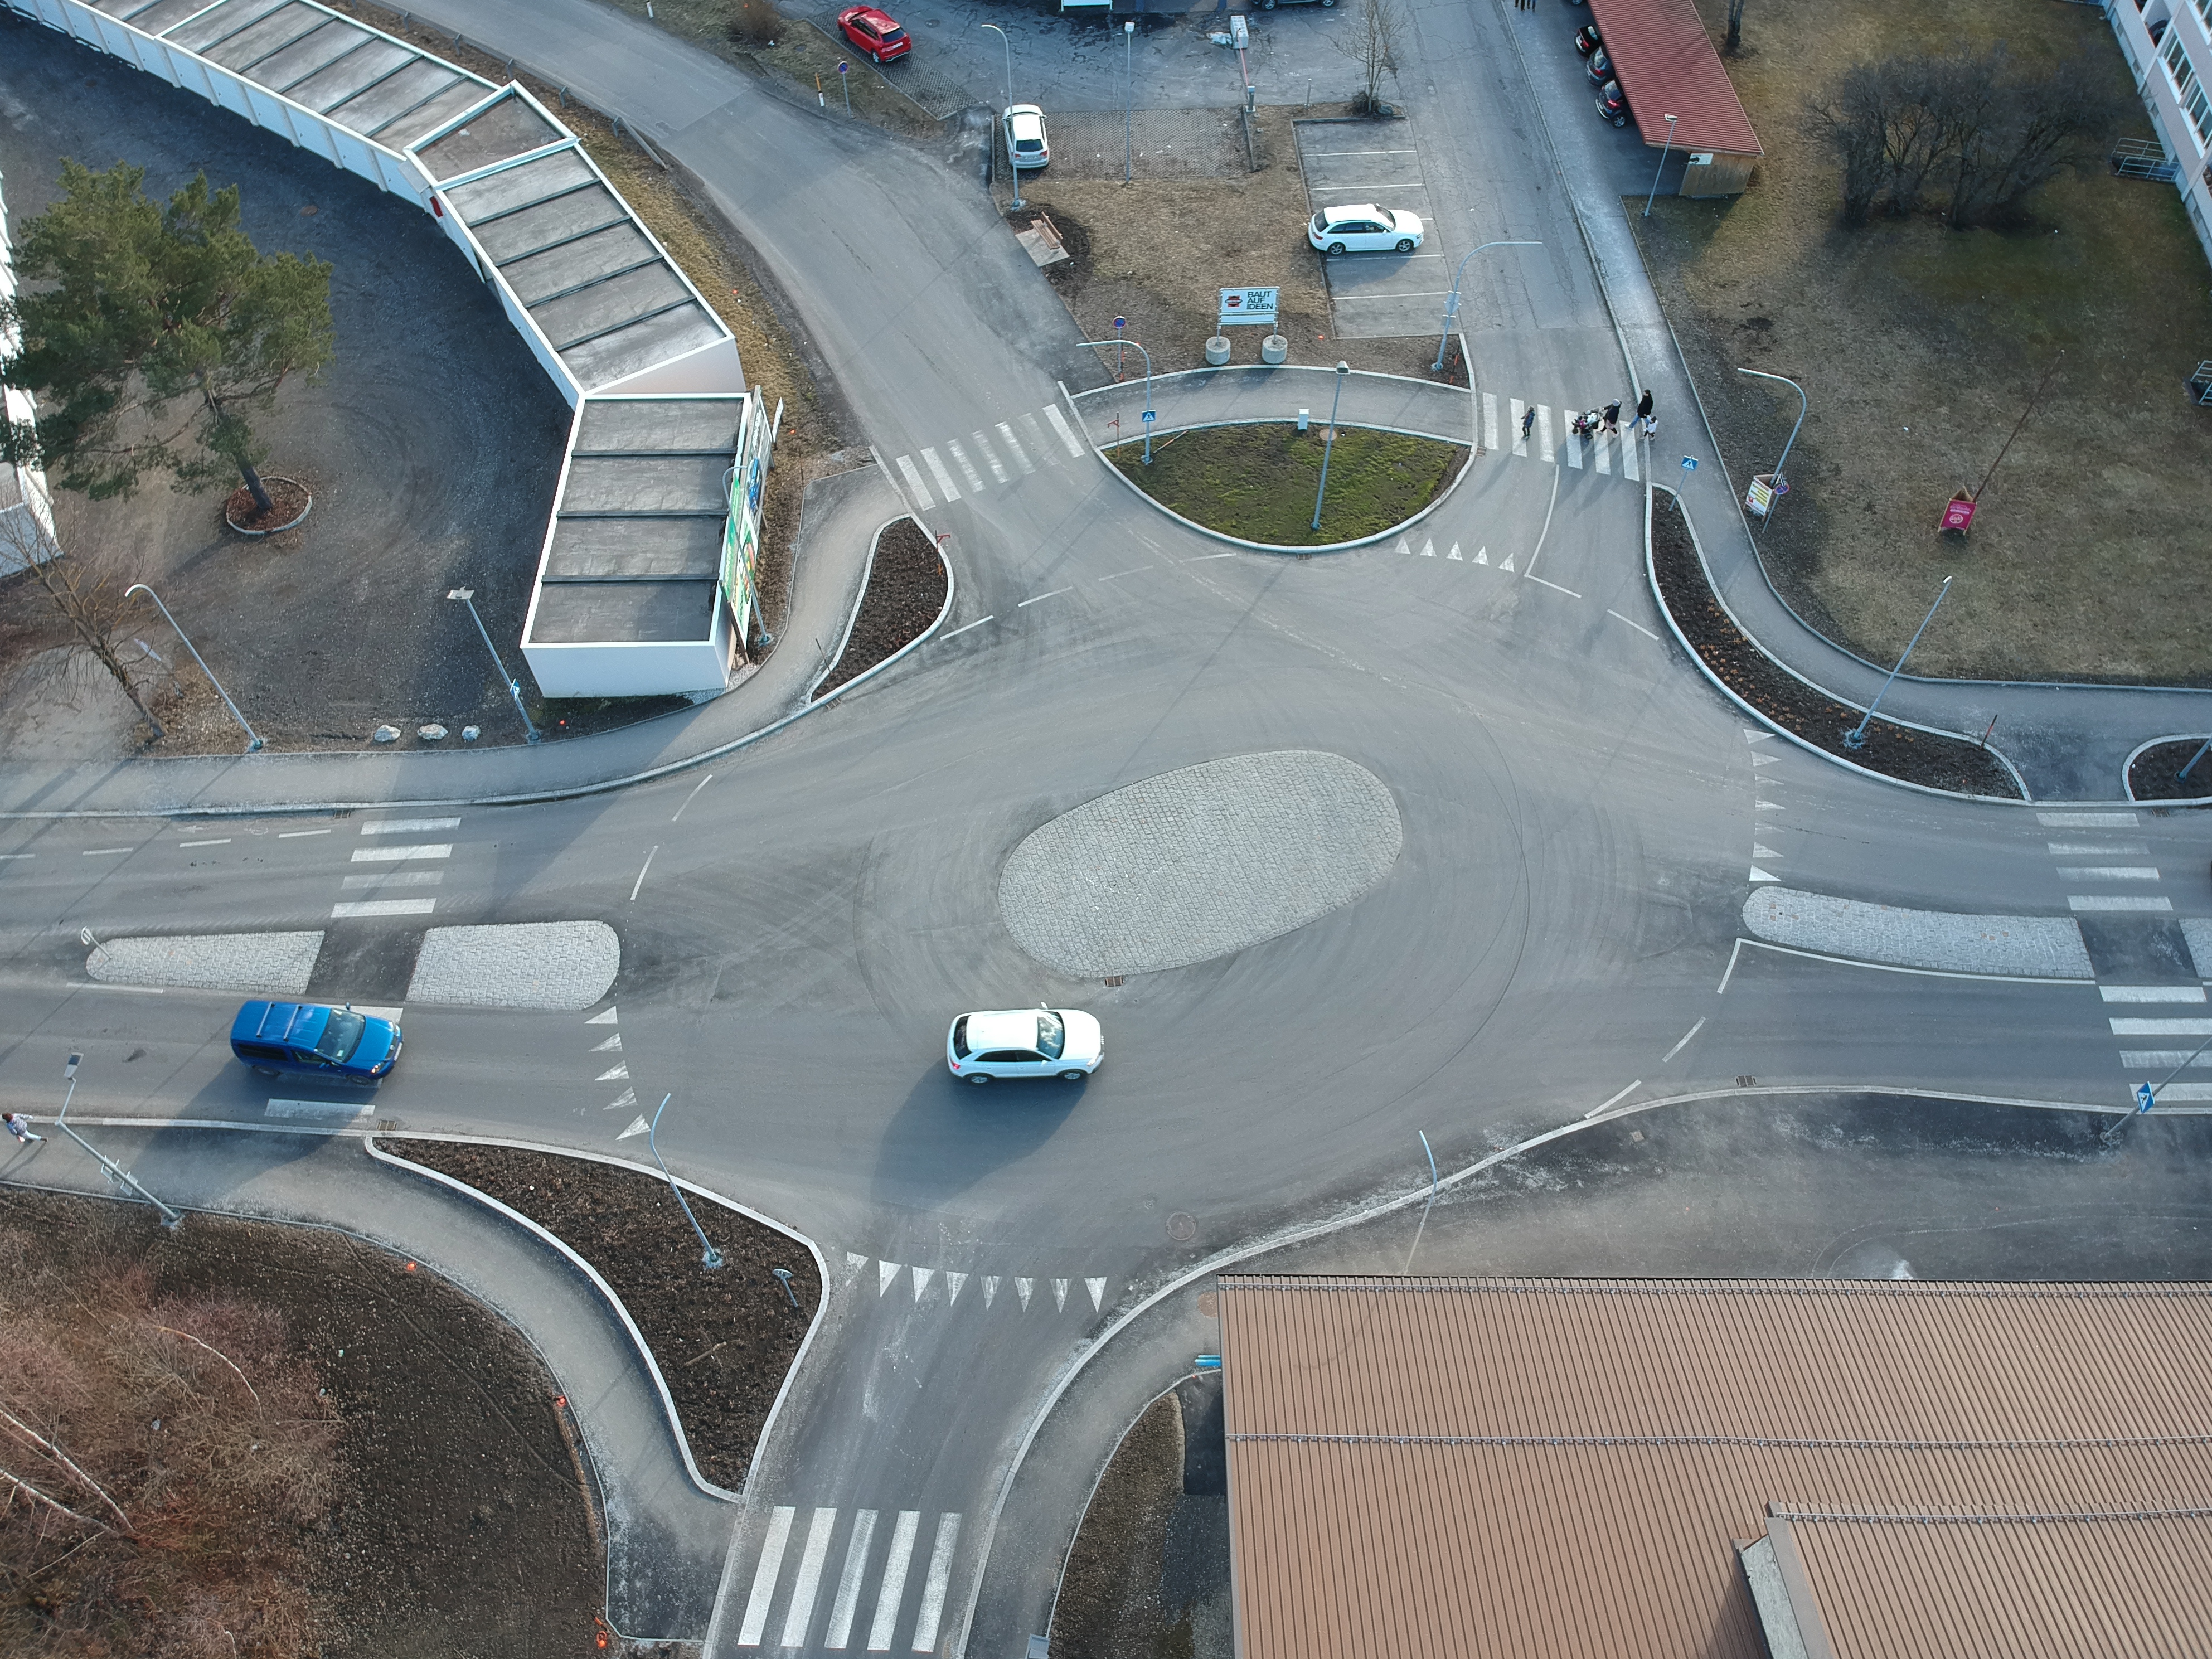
x=1363, y=227
x=1600, y=68
x=874, y=33
x=314, y=1039
x=1587, y=39
x=1015, y=1042
x=1612, y=103
x=1025, y=140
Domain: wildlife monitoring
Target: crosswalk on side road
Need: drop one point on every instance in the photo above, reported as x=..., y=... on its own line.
x=955, y=467
x=794, y=1567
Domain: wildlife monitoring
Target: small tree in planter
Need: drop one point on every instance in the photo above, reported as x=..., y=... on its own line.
x=150, y=333
x=1373, y=47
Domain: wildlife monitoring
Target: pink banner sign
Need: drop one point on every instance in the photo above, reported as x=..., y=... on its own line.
x=1959, y=514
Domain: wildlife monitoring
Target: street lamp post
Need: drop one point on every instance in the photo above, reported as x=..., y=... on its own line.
x=253, y=737
x=1328, y=442
x=1661, y=167
x=1779, y=481
x=1129, y=109
x=170, y=1218
x=709, y=1256
x=1117, y=342
x=1451, y=301
x=467, y=597
x=1010, y=168
x=1856, y=737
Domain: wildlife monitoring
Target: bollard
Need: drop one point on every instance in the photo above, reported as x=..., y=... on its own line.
x=783, y=1278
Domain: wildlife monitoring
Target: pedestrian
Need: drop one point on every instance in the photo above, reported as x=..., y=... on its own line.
x=1650, y=425
x=1527, y=420
x=1612, y=416
x=1644, y=405
x=19, y=1126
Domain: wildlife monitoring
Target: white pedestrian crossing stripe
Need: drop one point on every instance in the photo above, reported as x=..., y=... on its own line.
x=1060, y=425
x=990, y=456
x=967, y=469
x=914, y=483
x=786, y=1595
x=945, y=484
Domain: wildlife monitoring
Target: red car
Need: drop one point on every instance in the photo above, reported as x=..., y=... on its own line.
x=874, y=33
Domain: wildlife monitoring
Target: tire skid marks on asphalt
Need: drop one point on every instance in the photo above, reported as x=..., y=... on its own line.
x=1025, y=457
x=1605, y=453
x=806, y=1626
x=989, y=1287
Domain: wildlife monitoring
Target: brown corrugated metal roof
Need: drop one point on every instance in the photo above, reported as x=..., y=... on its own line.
x=1533, y=1468
x=1665, y=62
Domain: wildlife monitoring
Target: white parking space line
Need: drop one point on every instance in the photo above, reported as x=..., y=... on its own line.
x=805, y=1588
x=848, y=1583
x=967, y=469
x=890, y=1593
x=1490, y=420
x=913, y=483
x=1014, y=448
x=764, y=1575
x=428, y=849
x=946, y=487
x=383, y=907
x=408, y=826
x=932, y=1592
x=990, y=456
x=1060, y=425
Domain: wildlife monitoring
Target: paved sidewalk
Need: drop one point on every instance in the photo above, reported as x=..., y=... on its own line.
x=839, y=522
x=666, y=1538
x=1216, y=397
x=2069, y=742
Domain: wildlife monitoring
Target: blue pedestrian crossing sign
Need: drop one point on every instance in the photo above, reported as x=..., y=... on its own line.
x=1689, y=464
x=2143, y=1097
x=1152, y=415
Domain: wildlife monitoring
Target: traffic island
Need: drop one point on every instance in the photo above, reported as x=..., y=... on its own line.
x=723, y=1338
x=309, y=1440
x=904, y=598
x=1258, y=482
x=1934, y=760
x=2154, y=771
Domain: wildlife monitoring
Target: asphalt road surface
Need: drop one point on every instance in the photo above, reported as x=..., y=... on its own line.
x=1558, y=934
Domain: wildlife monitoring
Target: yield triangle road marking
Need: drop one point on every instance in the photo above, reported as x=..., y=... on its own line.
x=1756, y=737
x=921, y=1278
x=1060, y=1294
x=606, y=1016
x=1022, y=1287
x=623, y=1102
x=1766, y=760
x=1097, y=1289
x=638, y=1127
x=953, y=1284
x=885, y=1271
x=854, y=1263
x=1759, y=875
x=1482, y=556
x=1506, y=563
x=990, y=1289
x=1404, y=547
x=614, y=1073
x=1758, y=851
x=1767, y=806
x=1454, y=553
x=612, y=1046
x=1428, y=550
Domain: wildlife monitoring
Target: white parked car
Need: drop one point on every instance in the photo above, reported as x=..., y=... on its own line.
x=1062, y=1043
x=1363, y=227
x=1025, y=141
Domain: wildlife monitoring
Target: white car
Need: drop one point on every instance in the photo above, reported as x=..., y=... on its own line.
x=1062, y=1042
x=1026, y=145
x=1363, y=227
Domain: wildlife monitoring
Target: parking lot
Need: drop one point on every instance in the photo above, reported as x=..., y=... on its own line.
x=1376, y=295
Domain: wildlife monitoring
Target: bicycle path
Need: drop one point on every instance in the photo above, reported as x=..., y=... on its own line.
x=838, y=524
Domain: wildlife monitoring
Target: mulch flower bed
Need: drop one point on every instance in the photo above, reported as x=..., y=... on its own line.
x=907, y=586
x=288, y=498
x=2156, y=775
x=724, y=1338
x=1897, y=751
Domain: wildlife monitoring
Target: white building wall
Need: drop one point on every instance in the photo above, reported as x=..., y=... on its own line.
x=27, y=506
x=2173, y=73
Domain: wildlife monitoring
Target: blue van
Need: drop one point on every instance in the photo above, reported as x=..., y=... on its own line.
x=310, y=1039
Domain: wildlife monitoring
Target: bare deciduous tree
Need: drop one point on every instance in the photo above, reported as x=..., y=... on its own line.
x=1373, y=45
x=88, y=590
x=1734, y=41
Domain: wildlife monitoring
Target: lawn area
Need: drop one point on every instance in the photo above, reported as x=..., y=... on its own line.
x=1919, y=346
x=1258, y=481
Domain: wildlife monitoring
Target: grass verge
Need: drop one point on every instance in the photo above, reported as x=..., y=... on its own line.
x=1919, y=346
x=1258, y=482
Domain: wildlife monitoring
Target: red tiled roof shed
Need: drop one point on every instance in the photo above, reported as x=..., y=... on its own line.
x=1665, y=62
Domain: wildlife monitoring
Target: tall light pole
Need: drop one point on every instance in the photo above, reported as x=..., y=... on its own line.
x=1451, y=302
x=1856, y=737
x=1329, y=443
x=1011, y=166
x=1661, y=167
x=170, y=1218
x=1117, y=342
x=467, y=597
x=709, y=1256
x=1779, y=481
x=1129, y=109
x=253, y=737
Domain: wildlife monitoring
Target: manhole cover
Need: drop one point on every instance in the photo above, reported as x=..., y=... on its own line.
x=1746, y=1081
x=1116, y=979
x=1209, y=1303
x=1182, y=1228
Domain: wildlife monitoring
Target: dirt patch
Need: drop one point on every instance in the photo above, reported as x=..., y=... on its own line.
x=1110, y=1605
x=1156, y=252
x=907, y=584
x=2156, y=775
x=459, y=1519
x=1896, y=751
x=724, y=1338
x=1258, y=482
x=1919, y=348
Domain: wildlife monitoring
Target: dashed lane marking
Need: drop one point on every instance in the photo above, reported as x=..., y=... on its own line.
x=1638, y=626
x=964, y=627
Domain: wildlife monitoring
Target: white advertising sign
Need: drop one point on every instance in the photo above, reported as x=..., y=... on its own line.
x=1248, y=305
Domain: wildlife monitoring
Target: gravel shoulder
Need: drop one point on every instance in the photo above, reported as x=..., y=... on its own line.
x=724, y=1338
